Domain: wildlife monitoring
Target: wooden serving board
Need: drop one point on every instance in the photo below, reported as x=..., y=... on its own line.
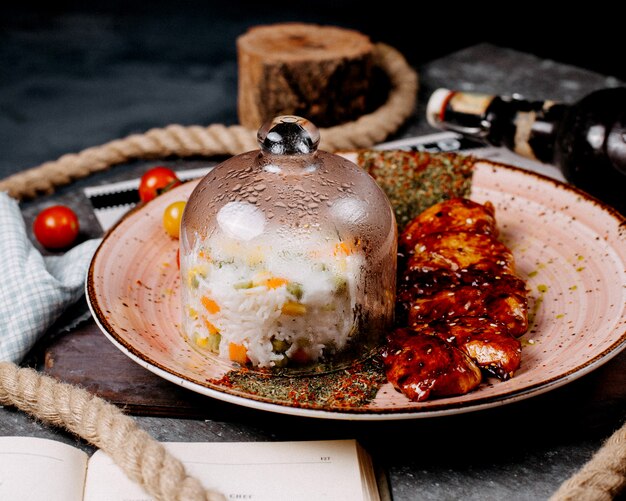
x=85, y=357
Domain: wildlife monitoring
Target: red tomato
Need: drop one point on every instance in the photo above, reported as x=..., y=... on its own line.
x=156, y=181
x=56, y=227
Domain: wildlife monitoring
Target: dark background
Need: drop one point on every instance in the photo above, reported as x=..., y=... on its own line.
x=591, y=36
x=77, y=74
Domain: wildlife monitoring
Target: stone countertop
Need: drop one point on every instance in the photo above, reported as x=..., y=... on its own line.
x=521, y=451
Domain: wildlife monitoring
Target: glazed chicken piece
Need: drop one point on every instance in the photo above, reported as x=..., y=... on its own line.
x=502, y=300
x=447, y=303
x=455, y=214
x=422, y=365
x=450, y=252
x=486, y=342
x=458, y=273
x=509, y=306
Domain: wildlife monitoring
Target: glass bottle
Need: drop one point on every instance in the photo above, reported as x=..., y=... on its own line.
x=586, y=139
x=288, y=257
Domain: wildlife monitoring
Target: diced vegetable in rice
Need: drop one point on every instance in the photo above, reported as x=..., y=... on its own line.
x=250, y=304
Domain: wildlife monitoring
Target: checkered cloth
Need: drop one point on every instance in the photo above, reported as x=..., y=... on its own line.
x=34, y=290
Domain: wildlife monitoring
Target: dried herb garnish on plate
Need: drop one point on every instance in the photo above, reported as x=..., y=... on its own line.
x=353, y=387
x=415, y=180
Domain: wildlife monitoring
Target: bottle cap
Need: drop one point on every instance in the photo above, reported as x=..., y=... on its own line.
x=436, y=104
x=459, y=111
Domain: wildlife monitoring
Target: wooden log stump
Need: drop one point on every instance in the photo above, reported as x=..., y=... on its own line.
x=322, y=73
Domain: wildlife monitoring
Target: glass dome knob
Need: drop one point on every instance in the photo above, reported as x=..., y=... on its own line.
x=288, y=135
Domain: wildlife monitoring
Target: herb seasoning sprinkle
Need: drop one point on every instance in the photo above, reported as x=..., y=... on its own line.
x=346, y=389
x=415, y=180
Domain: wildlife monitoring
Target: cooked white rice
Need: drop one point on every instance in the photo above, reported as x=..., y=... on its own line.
x=283, y=297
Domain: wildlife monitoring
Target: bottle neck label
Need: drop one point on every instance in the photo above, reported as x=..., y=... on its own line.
x=535, y=131
x=524, y=122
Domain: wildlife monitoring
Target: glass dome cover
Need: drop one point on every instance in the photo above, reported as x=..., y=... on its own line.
x=288, y=257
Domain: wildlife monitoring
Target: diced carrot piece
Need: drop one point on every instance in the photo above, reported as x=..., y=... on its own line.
x=210, y=327
x=342, y=249
x=293, y=308
x=275, y=282
x=210, y=305
x=238, y=353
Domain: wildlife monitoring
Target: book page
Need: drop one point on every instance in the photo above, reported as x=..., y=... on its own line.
x=255, y=471
x=37, y=468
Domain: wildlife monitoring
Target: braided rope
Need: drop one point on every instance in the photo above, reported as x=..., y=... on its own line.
x=217, y=139
x=102, y=424
x=603, y=477
x=177, y=140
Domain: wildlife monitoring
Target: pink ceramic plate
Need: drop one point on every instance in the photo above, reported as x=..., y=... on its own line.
x=569, y=248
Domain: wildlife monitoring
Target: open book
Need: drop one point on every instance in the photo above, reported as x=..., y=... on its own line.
x=36, y=469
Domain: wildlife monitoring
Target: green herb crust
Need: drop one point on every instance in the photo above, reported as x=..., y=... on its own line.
x=415, y=180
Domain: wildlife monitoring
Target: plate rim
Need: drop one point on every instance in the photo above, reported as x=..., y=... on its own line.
x=363, y=413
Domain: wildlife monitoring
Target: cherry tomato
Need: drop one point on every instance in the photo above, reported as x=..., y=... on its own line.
x=56, y=227
x=171, y=218
x=156, y=181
